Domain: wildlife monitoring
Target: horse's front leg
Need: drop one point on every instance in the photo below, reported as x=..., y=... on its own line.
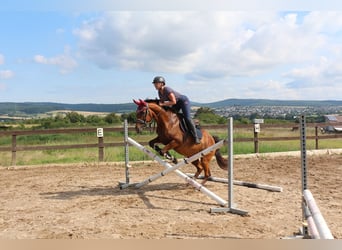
x=171, y=145
x=167, y=147
x=153, y=145
x=166, y=154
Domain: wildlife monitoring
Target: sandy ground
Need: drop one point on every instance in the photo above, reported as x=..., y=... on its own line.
x=84, y=201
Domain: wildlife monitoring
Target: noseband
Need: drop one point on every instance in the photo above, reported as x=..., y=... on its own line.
x=143, y=121
x=147, y=112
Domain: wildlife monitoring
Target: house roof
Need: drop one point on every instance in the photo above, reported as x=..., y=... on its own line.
x=333, y=118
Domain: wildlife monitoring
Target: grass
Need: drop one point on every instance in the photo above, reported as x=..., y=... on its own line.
x=114, y=154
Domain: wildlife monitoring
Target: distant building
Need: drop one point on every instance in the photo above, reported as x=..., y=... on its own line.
x=333, y=118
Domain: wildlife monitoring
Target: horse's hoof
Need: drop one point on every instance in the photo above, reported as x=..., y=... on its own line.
x=204, y=181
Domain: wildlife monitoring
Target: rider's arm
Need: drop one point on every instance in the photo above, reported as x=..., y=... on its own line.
x=172, y=100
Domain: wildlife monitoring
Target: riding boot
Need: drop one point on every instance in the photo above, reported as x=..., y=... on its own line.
x=193, y=131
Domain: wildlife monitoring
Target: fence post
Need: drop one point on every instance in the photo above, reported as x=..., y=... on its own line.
x=14, y=150
x=256, y=143
x=257, y=123
x=101, y=149
x=316, y=137
x=100, y=143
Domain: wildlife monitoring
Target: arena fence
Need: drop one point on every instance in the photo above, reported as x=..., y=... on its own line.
x=101, y=144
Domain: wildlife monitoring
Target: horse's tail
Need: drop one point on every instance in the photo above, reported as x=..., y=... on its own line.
x=222, y=162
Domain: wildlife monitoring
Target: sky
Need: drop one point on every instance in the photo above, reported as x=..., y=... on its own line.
x=109, y=52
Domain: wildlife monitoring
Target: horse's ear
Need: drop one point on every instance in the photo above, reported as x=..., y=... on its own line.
x=142, y=102
x=136, y=102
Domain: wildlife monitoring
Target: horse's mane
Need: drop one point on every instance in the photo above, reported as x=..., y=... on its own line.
x=166, y=108
x=156, y=101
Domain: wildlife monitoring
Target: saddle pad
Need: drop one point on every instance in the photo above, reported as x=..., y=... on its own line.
x=184, y=128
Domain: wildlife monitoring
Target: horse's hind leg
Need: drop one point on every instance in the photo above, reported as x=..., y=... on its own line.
x=199, y=168
x=205, y=162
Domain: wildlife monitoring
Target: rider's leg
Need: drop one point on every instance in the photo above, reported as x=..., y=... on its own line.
x=193, y=130
x=185, y=106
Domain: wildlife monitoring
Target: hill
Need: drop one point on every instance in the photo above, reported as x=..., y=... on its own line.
x=33, y=108
x=268, y=102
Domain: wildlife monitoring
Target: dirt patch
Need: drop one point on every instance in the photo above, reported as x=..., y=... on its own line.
x=84, y=201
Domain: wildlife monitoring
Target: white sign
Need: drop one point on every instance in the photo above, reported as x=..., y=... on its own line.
x=257, y=128
x=99, y=132
x=258, y=121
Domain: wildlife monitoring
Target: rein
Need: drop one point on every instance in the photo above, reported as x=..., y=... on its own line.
x=146, y=113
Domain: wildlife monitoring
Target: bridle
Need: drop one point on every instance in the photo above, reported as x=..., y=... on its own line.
x=147, y=113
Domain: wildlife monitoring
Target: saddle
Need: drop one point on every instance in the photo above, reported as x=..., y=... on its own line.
x=184, y=126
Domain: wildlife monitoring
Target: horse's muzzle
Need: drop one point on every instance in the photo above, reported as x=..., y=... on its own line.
x=139, y=125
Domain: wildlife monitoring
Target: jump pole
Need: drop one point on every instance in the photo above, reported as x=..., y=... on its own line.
x=317, y=226
x=189, y=180
x=185, y=161
x=231, y=206
x=319, y=222
x=242, y=183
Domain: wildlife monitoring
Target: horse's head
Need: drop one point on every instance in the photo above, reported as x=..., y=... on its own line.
x=144, y=117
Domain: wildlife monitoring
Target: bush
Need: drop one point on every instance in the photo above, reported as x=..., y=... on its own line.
x=208, y=116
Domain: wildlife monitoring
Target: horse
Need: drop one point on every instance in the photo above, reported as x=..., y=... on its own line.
x=172, y=136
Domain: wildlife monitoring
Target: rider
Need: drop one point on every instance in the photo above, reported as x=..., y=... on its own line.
x=169, y=97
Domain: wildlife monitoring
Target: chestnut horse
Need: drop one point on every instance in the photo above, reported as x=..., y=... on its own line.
x=173, y=137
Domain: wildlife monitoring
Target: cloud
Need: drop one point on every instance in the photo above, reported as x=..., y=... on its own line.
x=65, y=61
x=6, y=74
x=138, y=41
x=60, y=31
x=325, y=72
x=286, y=50
x=219, y=43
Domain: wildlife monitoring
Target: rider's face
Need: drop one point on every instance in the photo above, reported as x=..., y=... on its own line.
x=158, y=85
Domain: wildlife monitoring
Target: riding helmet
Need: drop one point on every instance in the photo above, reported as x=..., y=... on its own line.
x=159, y=79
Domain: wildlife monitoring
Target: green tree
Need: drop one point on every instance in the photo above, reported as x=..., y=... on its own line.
x=94, y=120
x=208, y=116
x=130, y=117
x=75, y=117
x=112, y=118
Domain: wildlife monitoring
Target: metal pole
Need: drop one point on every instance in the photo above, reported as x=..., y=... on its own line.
x=303, y=153
x=189, y=180
x=231, y=205
x=303, y=167
x=127, y=166
x=242, y=183
x=230, y=163
x=181, y=164
x=127, y=183
x=320, y=223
